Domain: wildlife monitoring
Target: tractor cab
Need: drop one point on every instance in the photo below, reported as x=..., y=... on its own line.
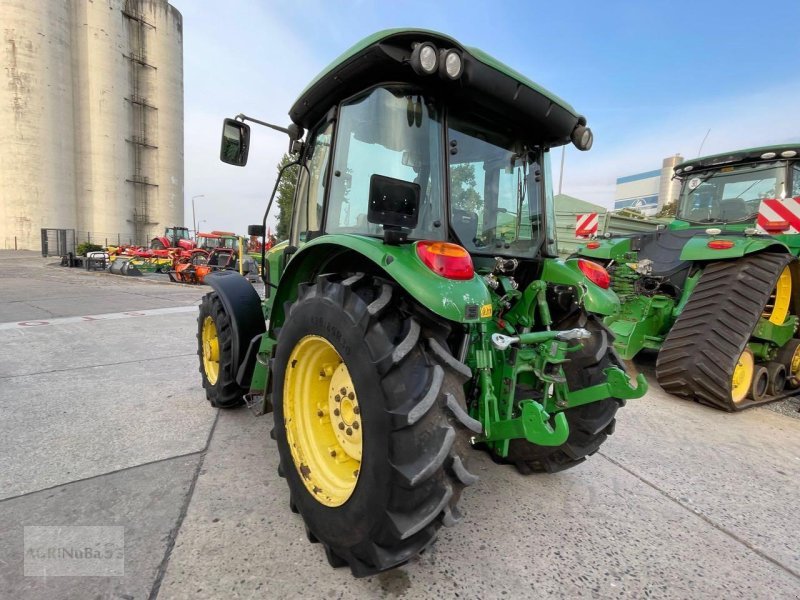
x=208, y=241
x=227, y=239
x=741, y=190
x=409, y=167
x=218, y=239
x=434, y=142
x=177, y=233
x=174, y=237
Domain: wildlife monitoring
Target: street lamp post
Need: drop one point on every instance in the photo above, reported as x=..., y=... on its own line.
x=194, y=218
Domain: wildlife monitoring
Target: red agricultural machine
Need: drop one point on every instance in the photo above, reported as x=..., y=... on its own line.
x=221, y=251
x=174, y=237
x=164, y=254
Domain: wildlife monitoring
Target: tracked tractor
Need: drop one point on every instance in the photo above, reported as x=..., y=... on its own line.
x=717, y=293
x=418, y=308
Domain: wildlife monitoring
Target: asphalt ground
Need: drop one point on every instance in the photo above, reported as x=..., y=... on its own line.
x=103, y=422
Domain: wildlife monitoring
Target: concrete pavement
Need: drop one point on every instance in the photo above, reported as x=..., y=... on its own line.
x=105, y=423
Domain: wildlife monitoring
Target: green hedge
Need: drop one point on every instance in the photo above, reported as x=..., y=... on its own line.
x=85, y=247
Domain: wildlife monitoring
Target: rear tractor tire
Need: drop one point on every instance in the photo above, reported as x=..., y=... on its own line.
x=701, y=358
x=590, y=424
x=367, y=407
x=215, y=350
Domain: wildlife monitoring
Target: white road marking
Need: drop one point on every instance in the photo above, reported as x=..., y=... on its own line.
x=104, y=317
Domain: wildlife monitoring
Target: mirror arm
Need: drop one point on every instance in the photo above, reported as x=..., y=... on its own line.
x=293, y=131
x=264, y=222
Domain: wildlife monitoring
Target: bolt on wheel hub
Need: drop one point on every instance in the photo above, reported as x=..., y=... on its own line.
x=345, y=412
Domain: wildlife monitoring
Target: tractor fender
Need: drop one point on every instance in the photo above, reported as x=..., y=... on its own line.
x=594, y=299
x=243, y=305
x=607, y=248
x=464, y=301
x=697, y=247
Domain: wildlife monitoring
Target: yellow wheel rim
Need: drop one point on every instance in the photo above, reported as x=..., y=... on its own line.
x=210, y=343
x=323, y=420
x=777, y=308
x=794, y=364
x=742, y=376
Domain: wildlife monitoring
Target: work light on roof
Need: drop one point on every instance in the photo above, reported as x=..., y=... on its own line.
x=424, y=59
x=768, y=155
x=452, y=65
x=789, y=153
x=582, y=137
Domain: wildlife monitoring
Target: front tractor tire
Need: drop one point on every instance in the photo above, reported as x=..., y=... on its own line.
x=589, y=424
x=367, y=404
x=215, y=350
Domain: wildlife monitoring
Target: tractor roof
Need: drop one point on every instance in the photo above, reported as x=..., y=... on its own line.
x=384, y=57
x=739, y=156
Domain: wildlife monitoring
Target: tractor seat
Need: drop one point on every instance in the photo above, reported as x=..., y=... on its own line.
x=465, y=225
x=734, y=209
x=664, y=249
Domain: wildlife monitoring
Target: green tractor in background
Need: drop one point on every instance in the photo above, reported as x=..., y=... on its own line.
x=418, y=308
x=718, y=292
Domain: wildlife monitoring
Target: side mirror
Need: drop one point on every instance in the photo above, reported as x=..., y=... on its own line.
x=235, y=142
x=393, y=202
x=256, y=230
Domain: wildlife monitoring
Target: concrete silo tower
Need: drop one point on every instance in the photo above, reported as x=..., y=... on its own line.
x=37, y=168
x=92, y=114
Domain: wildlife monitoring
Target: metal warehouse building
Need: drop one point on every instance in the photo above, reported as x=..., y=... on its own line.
x=91, y=119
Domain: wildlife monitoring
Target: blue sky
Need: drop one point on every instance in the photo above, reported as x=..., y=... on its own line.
x=652, y=77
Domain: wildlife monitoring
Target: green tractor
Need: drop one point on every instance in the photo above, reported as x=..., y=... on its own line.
x=717, y=293
x=418, y=308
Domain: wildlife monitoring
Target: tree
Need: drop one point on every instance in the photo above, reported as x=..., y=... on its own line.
x=668, y=211
x=463, y=192
x=285, y=197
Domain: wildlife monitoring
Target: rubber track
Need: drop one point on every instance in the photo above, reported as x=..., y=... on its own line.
x=701, y=350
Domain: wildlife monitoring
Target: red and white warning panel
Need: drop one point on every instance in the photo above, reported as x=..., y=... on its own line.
x=586, y=226
x=779, y=215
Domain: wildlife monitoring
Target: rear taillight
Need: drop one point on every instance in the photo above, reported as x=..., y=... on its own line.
x=593, y=245
x=595, y=273
x=445, y=259
x=720, y=244
x=774, y=226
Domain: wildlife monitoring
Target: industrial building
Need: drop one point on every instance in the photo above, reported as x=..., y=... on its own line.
x=91, y=120
x=648, y=192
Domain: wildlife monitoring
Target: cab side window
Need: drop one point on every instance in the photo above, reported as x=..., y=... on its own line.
x=310, y=194
x=394, y=133
x=796, y=181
